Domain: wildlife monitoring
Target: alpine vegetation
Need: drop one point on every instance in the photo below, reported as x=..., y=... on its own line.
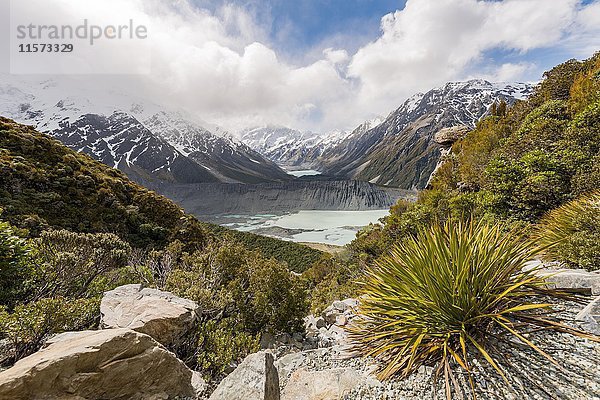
x=571, y=232
x=450, y=294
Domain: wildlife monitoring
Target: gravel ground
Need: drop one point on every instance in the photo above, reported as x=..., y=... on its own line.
x=576, y=377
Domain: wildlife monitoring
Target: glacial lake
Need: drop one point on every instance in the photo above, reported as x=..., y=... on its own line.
x=329, y=227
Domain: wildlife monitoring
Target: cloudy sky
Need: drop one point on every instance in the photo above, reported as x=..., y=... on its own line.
x=330, y=64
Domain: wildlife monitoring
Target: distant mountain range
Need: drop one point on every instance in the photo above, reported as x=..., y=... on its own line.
x=397, y=151
x=155, y=146
x=138, y=137
x=289, y=147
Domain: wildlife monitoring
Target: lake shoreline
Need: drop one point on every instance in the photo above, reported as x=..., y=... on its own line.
x=325, y=227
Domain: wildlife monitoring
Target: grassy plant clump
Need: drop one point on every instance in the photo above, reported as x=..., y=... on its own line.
x=452, y=290
x=575, y=229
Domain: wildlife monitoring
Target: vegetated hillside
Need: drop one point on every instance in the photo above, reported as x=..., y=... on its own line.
x=44, y=184
x=72, y=228
x=400, y=151
x=514, y=167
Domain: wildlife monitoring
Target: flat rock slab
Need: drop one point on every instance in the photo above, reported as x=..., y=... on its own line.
x=572, y=279
x=330, y=384
x=159, y=314
x=106, y=364
x=447, y=136
x=256, y=378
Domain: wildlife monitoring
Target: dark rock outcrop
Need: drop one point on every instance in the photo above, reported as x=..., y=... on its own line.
x=256, y=378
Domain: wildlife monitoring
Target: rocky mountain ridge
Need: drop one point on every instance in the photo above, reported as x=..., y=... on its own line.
x=400, y=151
x=136, y=136
x=290, y=147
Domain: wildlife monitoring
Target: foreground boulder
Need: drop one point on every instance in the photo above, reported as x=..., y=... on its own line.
x=330, y=384
x=105, y=364
x=159, y=314
x=256, y=378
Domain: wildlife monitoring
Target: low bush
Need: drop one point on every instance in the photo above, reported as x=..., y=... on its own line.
x=241, y=295
x=76, y=265
x=30, y=324
x=332, y=279
x=221, y=346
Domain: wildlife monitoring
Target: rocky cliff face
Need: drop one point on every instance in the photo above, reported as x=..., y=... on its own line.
x=206, y=199
x=401, y=151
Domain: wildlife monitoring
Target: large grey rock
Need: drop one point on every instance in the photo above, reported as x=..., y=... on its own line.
x=590, y=316
x=256, y=378
x=331, y=384
x=447, y=136
x=289, y=363
x=159, y=314
x=105, y=364
x=572, y=279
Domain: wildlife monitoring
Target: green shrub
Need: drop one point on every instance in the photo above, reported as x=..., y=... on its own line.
x=572, y=233
x=13, y=265
x=226, y=279
x=221, y=346
x=241, y=295
x=30, y=324
x=445, y=291
x=76, y=265
x=332, y=279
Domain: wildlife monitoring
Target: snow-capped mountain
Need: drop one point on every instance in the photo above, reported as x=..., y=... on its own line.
x=400, y=151
x=289, y=147
x=225, y=157
x=139, y=137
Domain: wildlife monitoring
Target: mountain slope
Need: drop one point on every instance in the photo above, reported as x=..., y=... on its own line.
x=123, y=142
x=224, y=157
x=282, y=197
x=138, y=137
x=400, y=151
x=44, y=184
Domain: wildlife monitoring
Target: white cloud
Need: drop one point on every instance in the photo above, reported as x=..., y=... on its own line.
x=430, y=42
x=221, y=66
x=510, y=72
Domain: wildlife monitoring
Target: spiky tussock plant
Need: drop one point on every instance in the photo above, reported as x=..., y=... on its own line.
x=571, y=233
x=443, y=293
